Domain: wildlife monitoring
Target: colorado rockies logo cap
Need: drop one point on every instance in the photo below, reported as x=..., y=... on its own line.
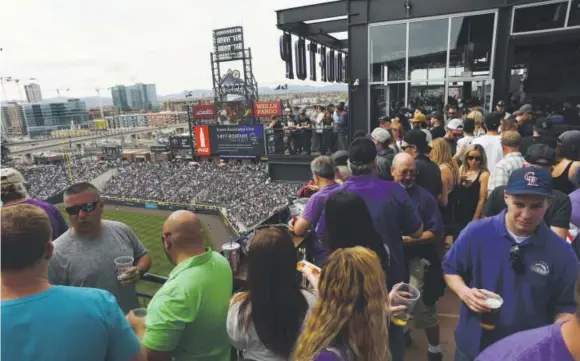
x=530, y=181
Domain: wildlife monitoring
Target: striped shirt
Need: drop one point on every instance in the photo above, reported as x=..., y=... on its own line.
x=500, y=174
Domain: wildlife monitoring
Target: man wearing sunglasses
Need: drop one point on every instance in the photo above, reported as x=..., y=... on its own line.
x=516, y=256
x=84, y=256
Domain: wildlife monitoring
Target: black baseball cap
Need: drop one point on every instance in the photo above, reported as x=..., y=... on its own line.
x=540, y=154
x=362, y=151
x=530, y=181
x=569, y=137
x=384, y=119
x=418, y=138
x=437, y=115
x=340, y=157
x=543, y=125
x=501, y=103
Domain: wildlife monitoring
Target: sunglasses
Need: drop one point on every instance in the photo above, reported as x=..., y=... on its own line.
x=479, y=159
x=88, y=207
x=516, y=259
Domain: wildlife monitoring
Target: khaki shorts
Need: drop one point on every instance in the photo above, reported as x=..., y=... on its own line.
x=423, y=316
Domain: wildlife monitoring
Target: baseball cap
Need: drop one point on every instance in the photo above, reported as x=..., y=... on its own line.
x=540, y=154
x=530, y=181
x=418, y=138
x=10, y=176
x=384, y=119
x=501, y=103
x=418, y=117
x=455, y=124
x=381, y=135
x=526, y=108
x=340, y=157
x=569, y=137
x=287, y=110
x=437, y=115
x=362, y=151
x=543, y=125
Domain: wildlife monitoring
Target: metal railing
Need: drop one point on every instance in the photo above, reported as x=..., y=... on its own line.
x=145, y=297
x=305, y=141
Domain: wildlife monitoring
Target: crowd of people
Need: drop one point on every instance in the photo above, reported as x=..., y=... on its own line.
x=244, y=189
x=467, y=209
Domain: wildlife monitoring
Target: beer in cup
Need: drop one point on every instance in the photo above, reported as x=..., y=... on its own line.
x=122, y=264
x=489, y=319
x=405, y=295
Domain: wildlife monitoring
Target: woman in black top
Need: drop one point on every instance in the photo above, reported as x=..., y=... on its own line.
x=568, y=164
x=471, y=193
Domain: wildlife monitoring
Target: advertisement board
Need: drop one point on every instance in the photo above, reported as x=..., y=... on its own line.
x=234, y=112
x=229, y=43
x=267, y=109
x=159, y=148
x=237, y=140
x=202, y=140
x=204, y=111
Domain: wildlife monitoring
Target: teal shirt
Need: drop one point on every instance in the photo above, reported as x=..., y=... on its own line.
x=187, y=316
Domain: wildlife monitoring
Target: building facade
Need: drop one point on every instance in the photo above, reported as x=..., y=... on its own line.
x=142, y=97
x=420, y=53
x=127, y=121
x=43, y=119
x=166, y=118
x=13, y=121
x=33, y=93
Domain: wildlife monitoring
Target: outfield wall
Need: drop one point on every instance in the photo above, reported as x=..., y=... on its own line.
x=170, y=206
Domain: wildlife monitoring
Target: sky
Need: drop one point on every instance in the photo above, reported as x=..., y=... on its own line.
x=82, y=45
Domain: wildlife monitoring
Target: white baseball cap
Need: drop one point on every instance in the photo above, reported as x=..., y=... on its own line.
x=455, y=124
x=381, y=135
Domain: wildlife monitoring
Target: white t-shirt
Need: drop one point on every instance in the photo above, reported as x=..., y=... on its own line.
x=462, y=145
x=492, y=146
x=249, y=341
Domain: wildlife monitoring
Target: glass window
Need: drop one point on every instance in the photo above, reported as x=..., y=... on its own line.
x=574, y=19
x=428, y=49
x=388, y=51
x=427, y=96
x=471, y=45
x=541, y=17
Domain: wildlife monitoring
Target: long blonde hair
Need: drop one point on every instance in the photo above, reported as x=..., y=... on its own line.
x=441, y=154
x=477, y=117
x=352, y=309
x=473, y=148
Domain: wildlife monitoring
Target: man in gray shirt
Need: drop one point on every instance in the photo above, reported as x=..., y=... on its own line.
x=84, y=255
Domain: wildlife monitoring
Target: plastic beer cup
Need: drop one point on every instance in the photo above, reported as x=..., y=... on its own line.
x=122, y=264
x=405, y=295
x=489, y=319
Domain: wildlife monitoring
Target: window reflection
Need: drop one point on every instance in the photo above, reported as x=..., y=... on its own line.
x=574, y=19
x=427, y=96
x=388, y=51
x=541, y=17
x=471, y=45
x=428, y=49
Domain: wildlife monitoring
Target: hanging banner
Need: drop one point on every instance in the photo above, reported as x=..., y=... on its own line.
x=267, y=109
x=237, y=140
x=204, y=111
x=202, y=142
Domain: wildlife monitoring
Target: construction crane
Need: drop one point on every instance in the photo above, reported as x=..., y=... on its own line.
x=10, y=79
x=58, y=90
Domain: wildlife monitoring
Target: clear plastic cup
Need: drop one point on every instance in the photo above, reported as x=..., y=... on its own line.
x=122, y=264
x=405, y=295
x=139, y=312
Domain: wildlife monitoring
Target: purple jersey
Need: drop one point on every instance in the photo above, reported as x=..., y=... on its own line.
x=57, y=222
x=539, y=344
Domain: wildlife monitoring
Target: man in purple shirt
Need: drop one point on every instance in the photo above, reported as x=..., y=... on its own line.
x=323, y=175
x=14, y=192
x=514, y=255
x=394, y=215
x=556, y=342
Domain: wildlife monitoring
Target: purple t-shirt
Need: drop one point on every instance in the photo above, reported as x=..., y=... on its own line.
x=393, y=214
x=539, y=344
x=312, y=213
x=575, y=200
x=57, y=222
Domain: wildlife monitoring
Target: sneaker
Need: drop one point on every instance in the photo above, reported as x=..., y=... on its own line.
x=432, y=356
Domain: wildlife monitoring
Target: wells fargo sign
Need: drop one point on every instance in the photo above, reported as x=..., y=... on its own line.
x=267, y=109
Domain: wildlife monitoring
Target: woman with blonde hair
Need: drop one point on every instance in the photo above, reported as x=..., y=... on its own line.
x=471, y=193
x=477, y=117
x=441, y=155
x=350, y=320
x=398, y=132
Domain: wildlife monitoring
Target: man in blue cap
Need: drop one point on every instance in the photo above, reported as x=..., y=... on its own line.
x=514, y=255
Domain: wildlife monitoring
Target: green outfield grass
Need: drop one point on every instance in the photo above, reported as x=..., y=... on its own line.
x=148, y=228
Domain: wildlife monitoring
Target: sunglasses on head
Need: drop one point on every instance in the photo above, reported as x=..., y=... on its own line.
x=87, y=207
x=470, y=157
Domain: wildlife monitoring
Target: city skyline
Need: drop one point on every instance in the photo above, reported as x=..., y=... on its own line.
x=84, y=46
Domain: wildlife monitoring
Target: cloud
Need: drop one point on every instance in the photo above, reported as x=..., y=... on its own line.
x=84, y=44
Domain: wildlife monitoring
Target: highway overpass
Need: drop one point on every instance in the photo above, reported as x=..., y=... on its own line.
x=49, y=144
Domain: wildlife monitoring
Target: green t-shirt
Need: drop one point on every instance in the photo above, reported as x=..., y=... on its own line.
x=187, y=316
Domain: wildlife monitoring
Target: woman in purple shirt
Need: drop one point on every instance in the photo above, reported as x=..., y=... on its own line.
x=349, y=321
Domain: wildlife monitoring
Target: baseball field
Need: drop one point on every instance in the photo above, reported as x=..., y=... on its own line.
x=148, y=225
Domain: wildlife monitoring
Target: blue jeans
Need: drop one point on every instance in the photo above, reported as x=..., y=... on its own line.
x=461, y=356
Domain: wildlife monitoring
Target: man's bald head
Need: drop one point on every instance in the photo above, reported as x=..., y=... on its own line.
x=403, y=169
x=183, y=230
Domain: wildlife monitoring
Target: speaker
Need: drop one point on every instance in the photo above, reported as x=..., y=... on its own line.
x=300, y=52
x=312, y=49
x=339, y=69
x=288, y=54
x=323, y=63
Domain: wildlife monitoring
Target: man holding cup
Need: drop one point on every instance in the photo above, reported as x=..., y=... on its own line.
x=512, y=265
x=97, y=253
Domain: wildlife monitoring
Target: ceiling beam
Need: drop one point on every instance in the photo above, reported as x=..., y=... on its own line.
x=331, y=26
x=311, y=12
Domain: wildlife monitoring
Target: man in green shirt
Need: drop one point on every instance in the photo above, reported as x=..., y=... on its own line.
x=186, y=319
